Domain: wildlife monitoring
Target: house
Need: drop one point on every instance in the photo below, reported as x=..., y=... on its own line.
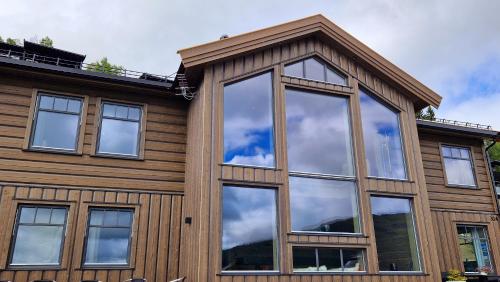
x=299, y=158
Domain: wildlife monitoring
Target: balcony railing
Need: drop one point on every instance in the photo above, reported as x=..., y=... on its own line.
x=462, y=123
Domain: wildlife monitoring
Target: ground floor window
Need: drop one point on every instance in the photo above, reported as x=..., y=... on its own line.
x=474, y=247
x=310, y=259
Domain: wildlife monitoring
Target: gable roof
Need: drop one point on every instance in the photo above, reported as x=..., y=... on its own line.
x=197, y=56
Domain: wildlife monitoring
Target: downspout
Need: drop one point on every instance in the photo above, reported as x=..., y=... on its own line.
x=492, y=175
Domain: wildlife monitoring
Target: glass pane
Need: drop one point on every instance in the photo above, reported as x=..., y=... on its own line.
x=446, y=151
x=394, y=234
x=323, y=205
x=46, y=102
x=304, y=259
x=108, y=110
x=119, y=137
x=134, y=113
x=121, y=111
x=459, y=172
x=56, y=130
x=42, y=215
x=248, y=122
x=467, y=250
x=107, y=245
x=110, y=218
x=455, y=152
x=315, y=70
x=249, y=229
x=37, y=245
x=124, y=218
x=318, y=133
x=329, y=260
x=383, y=148
x=334, y=77
x=60, y=104
x=96, y=217
x=74, y=106
x=353, y=260
x=58, y=216
x=464, y=153
x=27, y=215
x=296, y=69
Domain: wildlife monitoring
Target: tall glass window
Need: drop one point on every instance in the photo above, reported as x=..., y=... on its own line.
x=120, y=129
x=39, y=235
x=382, y=136
x=249, y=229
x=395, y=234
x=474, y=247
x=320, y=162
x=108, y=236
x=315, y=69
x=458, y=166
x=248, y=122
x=57, y=122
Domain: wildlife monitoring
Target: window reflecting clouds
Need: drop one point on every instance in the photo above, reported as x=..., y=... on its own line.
x=248, y=122
x=458, y=165
x=318, y=133
x=249, y=229
x=382, y=136
x=315, y=69
x=322, y=205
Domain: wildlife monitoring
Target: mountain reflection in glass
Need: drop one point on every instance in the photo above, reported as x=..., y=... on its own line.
x=248, y=122
x=249, y=229
x=318, y=133
x=395, y=234
x=322, y=205
x=382, y=136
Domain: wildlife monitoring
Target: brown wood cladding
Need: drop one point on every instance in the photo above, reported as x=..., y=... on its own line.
x=206, y=174
x=164, y=152
x=156, y=232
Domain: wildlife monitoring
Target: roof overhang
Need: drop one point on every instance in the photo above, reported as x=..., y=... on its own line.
x=458, y=130
x=195, y=58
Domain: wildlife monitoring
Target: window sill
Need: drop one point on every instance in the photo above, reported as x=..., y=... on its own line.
x=470, y=187
x=34, y=267
x=390, y=179
x=245, y=273
x=332, y=234
x=106, y=266
x=53, y=151
x=120, y=157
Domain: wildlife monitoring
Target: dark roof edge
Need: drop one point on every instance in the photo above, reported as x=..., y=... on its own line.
x=474, y=132
x=84, y=74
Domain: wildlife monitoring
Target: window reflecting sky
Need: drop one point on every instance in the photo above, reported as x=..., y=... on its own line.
x=119, y=137
x=382, y=138
x=318, y=133
x=56, y=130
x=248, y=122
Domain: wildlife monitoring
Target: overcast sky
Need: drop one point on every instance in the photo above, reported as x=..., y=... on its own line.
x=452, y=46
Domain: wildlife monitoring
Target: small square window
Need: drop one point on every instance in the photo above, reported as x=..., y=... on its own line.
x=309, y=259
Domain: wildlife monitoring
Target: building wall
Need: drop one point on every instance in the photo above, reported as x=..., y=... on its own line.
x=452, y=205
x=204, y=164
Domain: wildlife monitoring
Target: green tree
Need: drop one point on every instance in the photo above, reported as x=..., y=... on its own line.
x=428, y=114
x=46, y=41
x=1, y=39
x=106, y=67
x=12, y=41
x=494, y=153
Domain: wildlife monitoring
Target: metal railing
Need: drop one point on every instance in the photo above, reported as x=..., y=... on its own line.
x=461, y=123
x=118, y=71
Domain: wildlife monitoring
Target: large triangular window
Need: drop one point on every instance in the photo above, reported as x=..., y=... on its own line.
x=315, y=69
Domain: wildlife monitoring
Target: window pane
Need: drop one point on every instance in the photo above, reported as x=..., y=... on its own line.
x=42, y=215
x=353, y=260
x=119, y=137
x=304, y=259
x=96, y=217
x=474, y=247
x=315, y=70
x=248, y=122
x=329, y=259
x=58, y=216
x=318, y=133
x=334, y=77
x=381, y=132
x=455, y=152
x=46, y=102
x=467, y=250
x=134, y=113
x=296, y=69
x=249, y=229
x=322, y=205
x=464, y=153
x=74, y=106
x=27, y=215
x=394, y=234
x=121, y=111
x=110, y=218
x=124, y=218
x=107, y=245
x=37, y=245
x=446, y=151
x=108, y=110
x=60, y=104
x=56, y=130
x=459, y=172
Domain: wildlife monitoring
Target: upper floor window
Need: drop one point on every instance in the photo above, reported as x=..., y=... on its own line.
x=474, y=247
x=120, y=129
x=315, y=69
x=39, y=235
x=458, y=165
x=56, y=122
x=382, y=136
x=248, y=122
x=108, y=236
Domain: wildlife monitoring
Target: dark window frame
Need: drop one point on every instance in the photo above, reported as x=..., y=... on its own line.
x=471, y=161
x=363, y=255
x=130, y=238
x=476, y=225
x=34, y=121
x=140, y=132
x=326, y=66
x=15, y=233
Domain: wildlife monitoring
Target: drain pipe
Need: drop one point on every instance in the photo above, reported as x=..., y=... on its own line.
x=492, y=175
